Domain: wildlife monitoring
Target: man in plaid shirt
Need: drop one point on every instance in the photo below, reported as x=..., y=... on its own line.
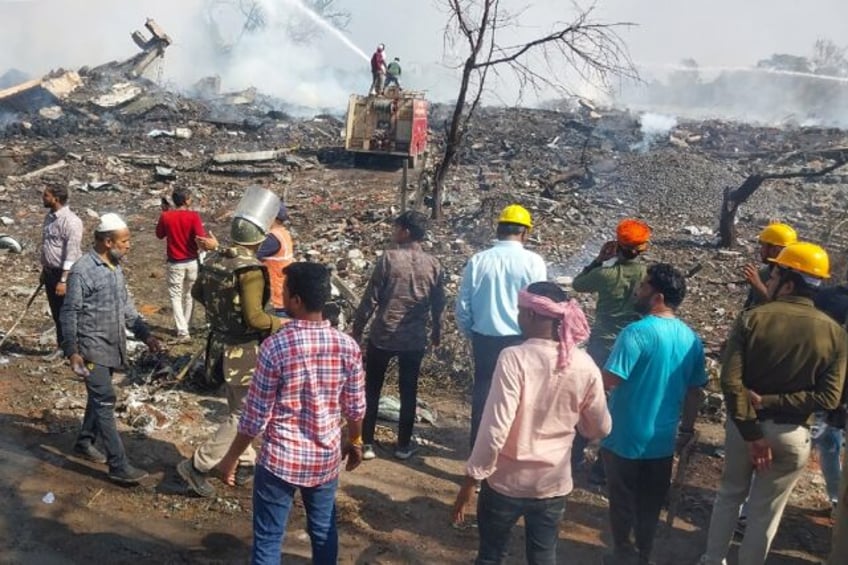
x=308, y=375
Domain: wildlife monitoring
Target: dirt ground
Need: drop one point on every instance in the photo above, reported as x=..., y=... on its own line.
x=389, y=512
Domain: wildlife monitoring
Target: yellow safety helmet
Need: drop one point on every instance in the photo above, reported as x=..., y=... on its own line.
x=806, y=258
x=516, y=214
x=778, y=234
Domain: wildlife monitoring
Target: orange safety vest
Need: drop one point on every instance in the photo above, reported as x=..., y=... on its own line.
x=277, y=262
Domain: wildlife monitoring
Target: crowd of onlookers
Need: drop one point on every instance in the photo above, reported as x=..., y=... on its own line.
x=538, y=398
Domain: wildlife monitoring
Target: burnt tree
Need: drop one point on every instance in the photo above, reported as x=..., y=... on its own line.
x=733, y=198
x=592, y=50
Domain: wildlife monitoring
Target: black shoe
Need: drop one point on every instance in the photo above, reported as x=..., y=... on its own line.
x=195, y=480
x=129, y=475
x=244, y=475
x=88, y=451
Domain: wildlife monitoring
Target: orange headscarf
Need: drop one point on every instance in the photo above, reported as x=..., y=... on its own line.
x=633, y=233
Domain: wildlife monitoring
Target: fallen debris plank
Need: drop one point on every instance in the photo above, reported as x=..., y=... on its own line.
x=253, y=157
x=39, y=172
x=146, y=160
x=121, y=94
x=245, y=171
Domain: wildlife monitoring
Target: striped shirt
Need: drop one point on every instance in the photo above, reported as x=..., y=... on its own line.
x=308, y=375
x=61, y=239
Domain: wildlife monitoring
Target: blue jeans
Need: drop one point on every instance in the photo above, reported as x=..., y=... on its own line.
x=497, y=514
x=829, y=445
x=272, y=501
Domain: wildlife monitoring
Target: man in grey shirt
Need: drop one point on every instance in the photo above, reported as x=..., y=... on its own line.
x=97, y=308
x=61, y=238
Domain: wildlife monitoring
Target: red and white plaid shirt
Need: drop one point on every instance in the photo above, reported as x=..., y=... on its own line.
x=307, y=376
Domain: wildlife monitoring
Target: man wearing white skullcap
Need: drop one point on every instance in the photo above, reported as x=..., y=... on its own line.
x=96, y=310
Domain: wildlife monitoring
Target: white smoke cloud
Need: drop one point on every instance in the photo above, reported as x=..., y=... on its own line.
x=40, y=35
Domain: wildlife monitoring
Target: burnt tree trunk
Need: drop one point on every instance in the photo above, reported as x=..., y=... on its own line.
x=730, y=204
x=734, y=198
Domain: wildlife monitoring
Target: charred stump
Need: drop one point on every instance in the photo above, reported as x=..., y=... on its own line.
x=733, y=198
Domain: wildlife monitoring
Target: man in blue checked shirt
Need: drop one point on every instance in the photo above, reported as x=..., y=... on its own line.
x=487, y=304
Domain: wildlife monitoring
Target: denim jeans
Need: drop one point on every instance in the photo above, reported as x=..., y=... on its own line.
x=497, y=514
x=272, y=501
x=829, y=442
x=486, y=350
x=99, y=418
x=409, y=367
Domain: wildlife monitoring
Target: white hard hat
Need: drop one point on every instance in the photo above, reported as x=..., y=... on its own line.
x=110, y=222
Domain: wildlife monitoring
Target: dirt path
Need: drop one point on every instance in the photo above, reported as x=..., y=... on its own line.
x=389, y=512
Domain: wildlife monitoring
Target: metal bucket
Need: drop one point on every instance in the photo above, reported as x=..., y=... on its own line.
x=259, y=206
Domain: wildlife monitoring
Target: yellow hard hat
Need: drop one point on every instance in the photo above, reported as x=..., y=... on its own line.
x=805, y=258
x=516, y=214
x=778, y=234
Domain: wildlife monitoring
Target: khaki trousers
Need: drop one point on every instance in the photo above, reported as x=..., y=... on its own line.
x=767, y=491
x=210, y=453
x=839, y=546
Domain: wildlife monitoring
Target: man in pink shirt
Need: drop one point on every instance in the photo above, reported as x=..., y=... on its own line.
x=542, y=390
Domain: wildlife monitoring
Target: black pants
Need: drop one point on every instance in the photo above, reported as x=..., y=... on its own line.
x=637, y=490
x=52, y=277
x=486, y=350
x=497, y=514
x=99, y=419
x=409, y=367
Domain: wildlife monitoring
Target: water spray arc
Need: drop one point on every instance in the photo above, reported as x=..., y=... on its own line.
x=327, y=26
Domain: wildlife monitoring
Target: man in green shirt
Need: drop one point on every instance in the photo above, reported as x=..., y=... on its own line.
x=393, y=72
x=615, y=285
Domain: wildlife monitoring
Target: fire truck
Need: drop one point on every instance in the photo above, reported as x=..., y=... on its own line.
x=393, y=124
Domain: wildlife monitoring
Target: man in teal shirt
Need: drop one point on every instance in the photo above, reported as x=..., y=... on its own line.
x=487, y=304
x=655, y=371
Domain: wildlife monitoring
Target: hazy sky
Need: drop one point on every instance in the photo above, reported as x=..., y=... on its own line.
x=38, y=35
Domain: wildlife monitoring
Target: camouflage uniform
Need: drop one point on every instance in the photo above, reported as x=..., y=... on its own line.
x=231, y=350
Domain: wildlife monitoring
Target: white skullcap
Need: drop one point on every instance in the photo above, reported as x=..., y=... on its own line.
x=110, y=222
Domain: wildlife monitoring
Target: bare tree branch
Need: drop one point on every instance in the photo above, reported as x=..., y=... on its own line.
x=592, y=49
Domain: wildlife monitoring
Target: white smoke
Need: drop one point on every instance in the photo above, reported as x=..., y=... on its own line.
x=654, y=127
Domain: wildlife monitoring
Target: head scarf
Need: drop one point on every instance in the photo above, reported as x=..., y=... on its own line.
x=573, y=327
x=633, y=233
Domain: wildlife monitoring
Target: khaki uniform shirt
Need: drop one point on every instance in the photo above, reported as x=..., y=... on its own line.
x=792, y=355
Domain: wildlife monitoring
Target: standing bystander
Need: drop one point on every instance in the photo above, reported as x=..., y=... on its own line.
x=655, y=371
x=487, y=303
x=406, y=289
x=180, y=228
x=97, y=310
x=61, y=241
x=542, y=391
x=308, y=376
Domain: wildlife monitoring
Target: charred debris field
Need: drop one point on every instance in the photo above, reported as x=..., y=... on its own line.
x=121, y=144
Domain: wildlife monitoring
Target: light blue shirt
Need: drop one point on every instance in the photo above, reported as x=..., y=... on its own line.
x=659, y=360
x=488, y=296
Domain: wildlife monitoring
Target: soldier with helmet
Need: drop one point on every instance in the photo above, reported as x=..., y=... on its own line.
x=233, y=286
x=487, y=303
x=784, y=361
x=773, y=239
